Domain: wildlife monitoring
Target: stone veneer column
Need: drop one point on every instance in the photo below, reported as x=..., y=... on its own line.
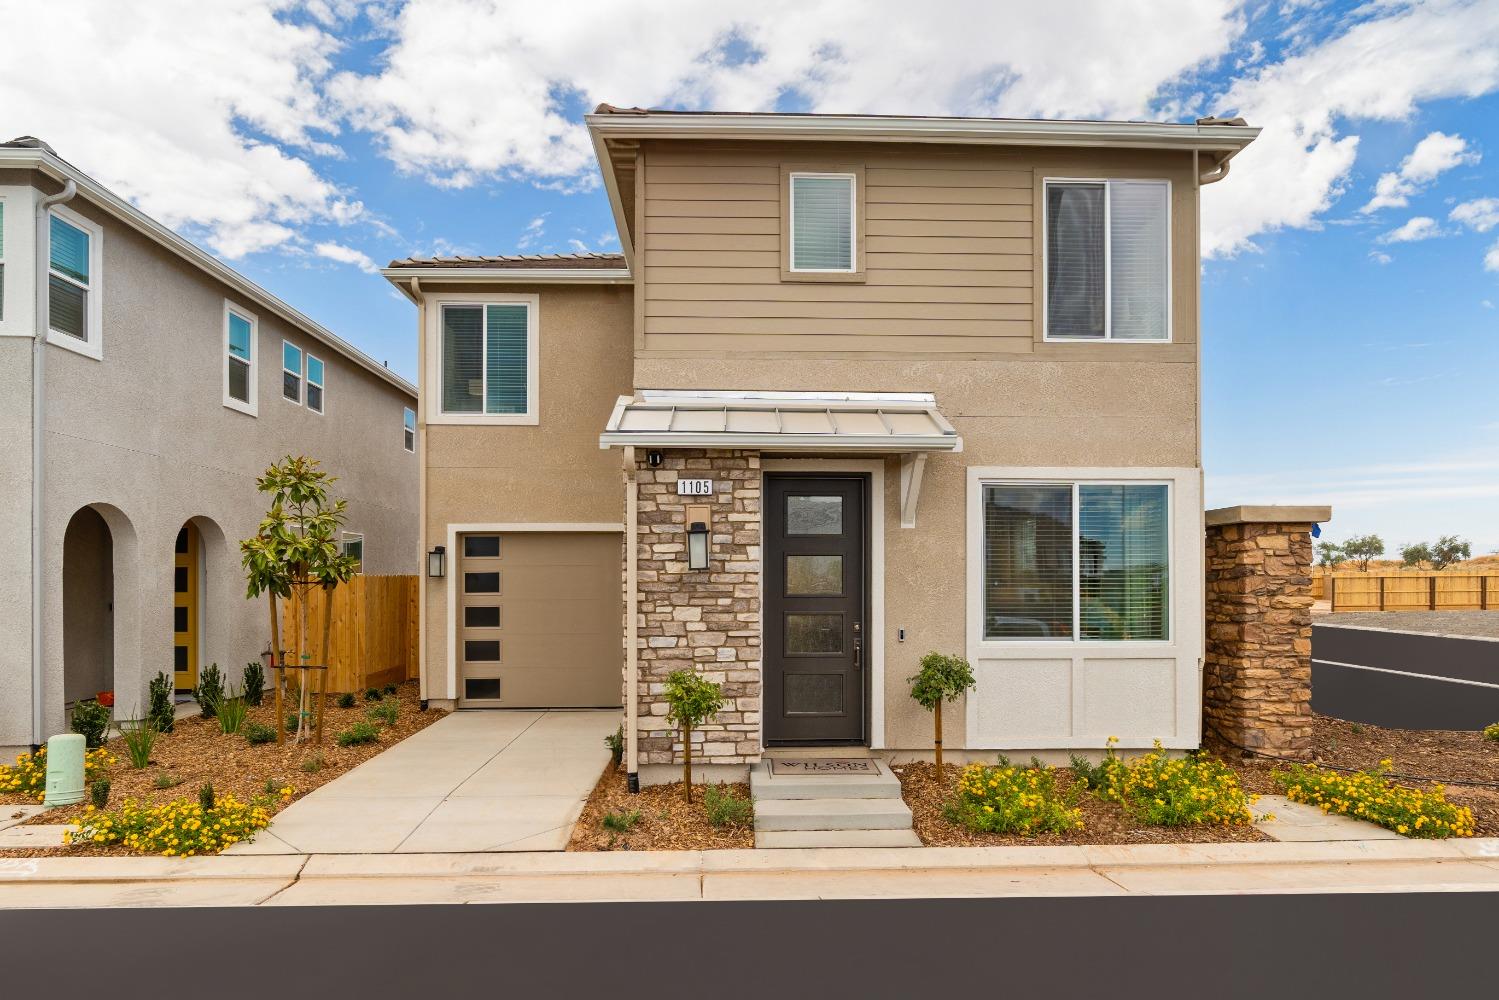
x=707, y=620
x=1257, y=675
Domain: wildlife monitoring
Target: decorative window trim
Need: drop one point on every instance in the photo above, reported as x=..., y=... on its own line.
x=93, y=347
x=432, y=346
x=1108, y=270
x=408, y=417
x=5, y=242
x=856, y=173
x=250, y=406
x=308, y=383
x=300, y=373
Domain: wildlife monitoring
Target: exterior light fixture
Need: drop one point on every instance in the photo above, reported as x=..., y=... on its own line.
x=697, y=545
x=436, y=561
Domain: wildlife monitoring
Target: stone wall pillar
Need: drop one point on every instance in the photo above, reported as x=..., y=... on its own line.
x=707, y=620
x=1257, y=673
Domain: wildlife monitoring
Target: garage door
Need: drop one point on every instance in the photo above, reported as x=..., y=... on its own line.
x=540, y=620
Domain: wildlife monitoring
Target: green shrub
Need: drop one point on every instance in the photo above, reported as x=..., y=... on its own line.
x=206, y=797
x=346, y=700
x=230, y=710
x=91, y=719
x=28, y=775
x=254, y=682
x=1372, y=796
x=1007, y=799
x=620, y=822
x=691, y=700
x=165, y=780
x=1169, y=791
x=726, y=809
x=359, y=733
x=940, y=679
x=1491, y=732
x=210, y=690
x=256, y=733
x=615, y=741
x=163, y=709
x=389, y=689
x=140, y=738
x=371, y=694
x=313, y=764
x=385, y=712
x=177, y=829
x=291, y=722
x=98, y=793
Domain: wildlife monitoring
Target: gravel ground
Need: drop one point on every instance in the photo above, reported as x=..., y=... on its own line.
x=1480, y=624
x=667, y=823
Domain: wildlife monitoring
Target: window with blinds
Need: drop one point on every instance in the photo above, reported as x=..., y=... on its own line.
x=1108, y=260
x=408, y=428
x=69, y=279
x=486, y=358
x=239, y=359
x=314, y=384
x=1076, y=561
x=822, y=222
x=291, y=372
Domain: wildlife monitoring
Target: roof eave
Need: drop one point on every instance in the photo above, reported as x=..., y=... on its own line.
x=489, y=275
x=888, y=444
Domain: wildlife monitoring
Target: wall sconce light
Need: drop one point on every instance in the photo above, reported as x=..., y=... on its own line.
x=653, y=458
x=436, y=561
x=697, y=545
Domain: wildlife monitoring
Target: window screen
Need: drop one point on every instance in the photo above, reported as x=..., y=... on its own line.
x=408, y=428
x=314, y=384
x=238, y=358
x=485, y=355
x=68, y=283
x=822, y=223
x=1075, y=260
x=1028, y=562
x=291, y=372
x=505, y=359
x=1107, y=255
x=1122, y=562
x=1138, y=251
x=463, y=359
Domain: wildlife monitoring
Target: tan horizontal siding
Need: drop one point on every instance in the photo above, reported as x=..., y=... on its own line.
x=805, y=309
x=979, y=229
x=840, y=327
x=949, y=195
x=992, y=246
x=813, y=343
x=723, y=225
x=714, y=192
x=658, y=275
x=684, y=294
x=926, y=177
x=924, y=211
x=728, y=208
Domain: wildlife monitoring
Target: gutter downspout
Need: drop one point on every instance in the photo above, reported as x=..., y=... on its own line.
x=1219, y=171
x=421, y=493
x=632, y=655
x=43, y=255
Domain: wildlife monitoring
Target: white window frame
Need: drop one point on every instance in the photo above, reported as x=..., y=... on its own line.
x=1076, y=484
x=405, y=410
x=5, y=239
x=1108, y=261
x=853, y=222
x=250, y=406
x=307, y=383
x=301, y=374
x=344, y=538
x=93, y=347
x=431, y=402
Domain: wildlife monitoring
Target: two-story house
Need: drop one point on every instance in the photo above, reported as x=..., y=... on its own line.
x=856, y=388
x=144, y=386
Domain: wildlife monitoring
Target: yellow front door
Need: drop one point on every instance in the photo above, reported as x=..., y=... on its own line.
x=185, y=610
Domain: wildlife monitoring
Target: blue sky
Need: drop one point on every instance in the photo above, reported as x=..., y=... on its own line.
x=1349, y=311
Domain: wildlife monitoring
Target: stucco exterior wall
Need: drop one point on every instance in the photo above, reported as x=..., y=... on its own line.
x=143, y=436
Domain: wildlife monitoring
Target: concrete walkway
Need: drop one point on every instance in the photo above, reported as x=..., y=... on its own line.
x=473, y=782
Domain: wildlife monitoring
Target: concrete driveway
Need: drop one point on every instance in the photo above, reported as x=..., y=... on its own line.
x=473, y=782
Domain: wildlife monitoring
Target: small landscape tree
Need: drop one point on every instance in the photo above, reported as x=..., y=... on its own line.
x=1449, y=549
x=1362, y=549
x=1415, y=555
x=941, y=678
x=691, y=700
x=1329, y=555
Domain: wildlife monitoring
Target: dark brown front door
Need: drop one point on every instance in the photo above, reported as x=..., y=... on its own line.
x=815, y=615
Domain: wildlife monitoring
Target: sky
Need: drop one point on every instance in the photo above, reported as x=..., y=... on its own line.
x=1350, y=313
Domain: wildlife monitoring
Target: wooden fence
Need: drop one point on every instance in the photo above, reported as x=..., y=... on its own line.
x=1408, y=591
x=373, y=636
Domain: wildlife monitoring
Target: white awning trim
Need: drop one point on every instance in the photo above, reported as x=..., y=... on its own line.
x=781, y=421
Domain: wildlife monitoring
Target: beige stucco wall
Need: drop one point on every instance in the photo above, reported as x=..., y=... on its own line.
x=143, y=436
x=552, y=472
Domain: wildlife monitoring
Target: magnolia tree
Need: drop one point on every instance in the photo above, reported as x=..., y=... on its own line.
x=295, y=550
x=941, y=678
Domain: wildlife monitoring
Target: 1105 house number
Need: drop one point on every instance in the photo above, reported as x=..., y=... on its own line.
x=694, y=487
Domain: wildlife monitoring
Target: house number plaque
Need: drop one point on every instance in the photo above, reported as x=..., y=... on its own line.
x=694, y=487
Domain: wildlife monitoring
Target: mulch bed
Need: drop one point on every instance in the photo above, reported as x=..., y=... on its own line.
x=927, y=794
x=1417, y=756
x=197, y=751
x=667, y=823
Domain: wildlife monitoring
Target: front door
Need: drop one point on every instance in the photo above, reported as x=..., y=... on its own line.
x=185, y=610
x=815, y=608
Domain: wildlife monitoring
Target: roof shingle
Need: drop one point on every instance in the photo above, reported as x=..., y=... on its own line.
x=522, y=262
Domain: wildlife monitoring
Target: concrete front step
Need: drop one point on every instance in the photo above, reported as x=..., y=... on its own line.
x=831, y=814
x=792, y=839
x=765, y=785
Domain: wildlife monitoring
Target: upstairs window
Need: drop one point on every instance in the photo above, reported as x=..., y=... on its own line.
x=314, y=384
x=1108, y=260
x=822, y=222
x=291, y=372
x=488, y=359
x=73, y=282
x=408, y=428
x=352, y=544
x=239, y=359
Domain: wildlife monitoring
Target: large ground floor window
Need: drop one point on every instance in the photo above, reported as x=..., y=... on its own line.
x=1078, y=560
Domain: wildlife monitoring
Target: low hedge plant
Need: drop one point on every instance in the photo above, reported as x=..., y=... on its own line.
x=1160, y=790
x=359, y=733
x=181, y=828
x=1371, y=795
x=1004, y=798
x=28, y=775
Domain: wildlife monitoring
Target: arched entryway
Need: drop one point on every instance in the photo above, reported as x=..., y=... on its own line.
x=88, y=607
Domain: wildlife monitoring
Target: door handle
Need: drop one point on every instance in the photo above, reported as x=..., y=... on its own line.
x=858, y=647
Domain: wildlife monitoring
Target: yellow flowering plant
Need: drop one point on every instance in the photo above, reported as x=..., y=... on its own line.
x=1161, y=790
x=28, y=775
x=1491, y=732
x=182, y=828
x=1371, y=795
x=1009, y=799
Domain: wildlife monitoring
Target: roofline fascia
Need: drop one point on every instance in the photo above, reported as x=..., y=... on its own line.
x=780, y=442
x=605, y=161
x=59, y=170
x=512, y=276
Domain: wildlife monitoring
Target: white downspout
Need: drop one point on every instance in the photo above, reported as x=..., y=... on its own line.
x=421, y=494
x=632, y=607
x=43, y=255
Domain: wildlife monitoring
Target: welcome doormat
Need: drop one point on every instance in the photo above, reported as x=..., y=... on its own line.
x=824, y=765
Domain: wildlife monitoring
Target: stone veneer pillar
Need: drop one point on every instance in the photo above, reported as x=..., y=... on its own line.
x=706, y=620
x=1257, y=674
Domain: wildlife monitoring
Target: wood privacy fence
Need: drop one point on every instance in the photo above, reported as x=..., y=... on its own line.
x=1408, y=591
x=372, y=640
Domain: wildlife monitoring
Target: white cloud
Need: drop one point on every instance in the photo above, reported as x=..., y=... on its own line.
x=347, y=255
x=470, y=90
x=207, y=116
x=1380, y=69
x=1491, y=259
x=1419, y=228
x=534, y=231
x=1433, y=156
x=1380, y=257
x=1481, y=214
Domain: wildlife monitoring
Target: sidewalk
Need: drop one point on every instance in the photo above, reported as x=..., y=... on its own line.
x=927, y=872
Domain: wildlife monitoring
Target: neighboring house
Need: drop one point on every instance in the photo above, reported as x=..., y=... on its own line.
x=856, y=389
x=169, y=383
